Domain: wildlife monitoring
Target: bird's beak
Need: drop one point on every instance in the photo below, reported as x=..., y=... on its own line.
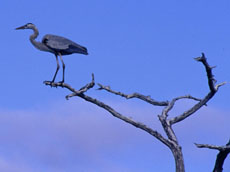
x=21, y=27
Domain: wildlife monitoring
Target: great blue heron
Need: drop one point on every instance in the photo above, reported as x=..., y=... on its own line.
x=54, y=44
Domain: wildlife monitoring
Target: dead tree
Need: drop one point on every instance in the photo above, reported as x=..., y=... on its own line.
x=221, y=156
x=171, y=140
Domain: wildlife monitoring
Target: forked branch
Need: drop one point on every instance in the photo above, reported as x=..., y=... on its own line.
x=202, y=102
x=74, y=91
x=80, y=93
x=173, y=101
x=221, y=156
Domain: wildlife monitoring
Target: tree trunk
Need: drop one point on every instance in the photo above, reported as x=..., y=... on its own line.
x=179, y=160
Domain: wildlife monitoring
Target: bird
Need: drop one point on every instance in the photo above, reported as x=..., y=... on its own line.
x=56, y=45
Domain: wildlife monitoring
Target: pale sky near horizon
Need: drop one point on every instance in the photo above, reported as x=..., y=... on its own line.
x=134, y=46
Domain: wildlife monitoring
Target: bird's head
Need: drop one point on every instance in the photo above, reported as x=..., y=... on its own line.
x=26, y=26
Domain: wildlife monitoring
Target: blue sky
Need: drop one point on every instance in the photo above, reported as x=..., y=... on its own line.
x=134, y=46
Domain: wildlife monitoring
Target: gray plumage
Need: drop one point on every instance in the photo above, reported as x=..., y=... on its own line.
x=63, y=45
x=54, y=44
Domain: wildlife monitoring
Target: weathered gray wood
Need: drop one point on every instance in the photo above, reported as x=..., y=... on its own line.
x=171, y=140
x=221, y=156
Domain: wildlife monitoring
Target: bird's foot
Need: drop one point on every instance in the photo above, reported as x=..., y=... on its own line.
x=61, y=83
x=50, y=83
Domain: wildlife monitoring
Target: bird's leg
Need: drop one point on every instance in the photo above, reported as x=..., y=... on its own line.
x=63, y=67
x=58, y=66
x=51, y=83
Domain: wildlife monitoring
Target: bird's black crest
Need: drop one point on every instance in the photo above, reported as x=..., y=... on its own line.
x=29, y=23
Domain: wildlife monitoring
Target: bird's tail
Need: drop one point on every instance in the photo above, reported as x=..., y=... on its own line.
x=84, y=51
x=78, y=49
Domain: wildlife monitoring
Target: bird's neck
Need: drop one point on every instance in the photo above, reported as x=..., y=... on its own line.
x=37, y=44
x=34, y=35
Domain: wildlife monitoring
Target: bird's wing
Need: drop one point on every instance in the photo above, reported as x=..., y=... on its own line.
x=57, y=42
x=63, y=45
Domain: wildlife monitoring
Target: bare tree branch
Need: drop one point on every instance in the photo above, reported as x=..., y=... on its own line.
x=212, y=87
x=164, y=115
x=134, y=95
x=80, y=93
x=219, y=85
x=220, y=148
x=192, y=110
x=173, y=101
x=171, y=141
x=221, y=156
x=211, y=80
x=74, y=91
